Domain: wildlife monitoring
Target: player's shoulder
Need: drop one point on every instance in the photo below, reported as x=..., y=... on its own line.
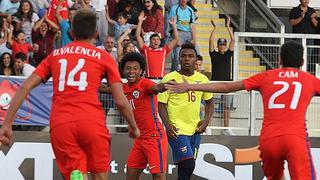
x=169, y=76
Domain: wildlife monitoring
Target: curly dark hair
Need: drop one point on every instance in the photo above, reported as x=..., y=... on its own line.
x=133, y=56
x=20, y=15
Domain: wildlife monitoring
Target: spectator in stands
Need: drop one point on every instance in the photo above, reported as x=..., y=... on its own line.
x=4, y=35
x=65, y=25
x=131, y=8
x=43, y=33
x=303, y=19
x=21, y=67
x=167, y=6
x=25, y=19
x=102, y=24
x=39, y=5
x=108, y=45
x=198, y=64
x=125, y=44
x=154, y=22
x=84, y=4
x=221, y=63
x=6, y=64
x=19, y=44
x=9, y=7
x=154, y=54
x=119, y=26
x=63, y=10
x=185, y=19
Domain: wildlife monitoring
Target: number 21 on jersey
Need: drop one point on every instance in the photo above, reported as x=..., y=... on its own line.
x=81, y=83
x=285, y=86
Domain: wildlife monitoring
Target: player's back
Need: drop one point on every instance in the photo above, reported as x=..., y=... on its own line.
x=286, y=94
x=77, y=70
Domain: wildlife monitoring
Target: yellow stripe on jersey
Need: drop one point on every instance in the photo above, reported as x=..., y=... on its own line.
x=184, y=109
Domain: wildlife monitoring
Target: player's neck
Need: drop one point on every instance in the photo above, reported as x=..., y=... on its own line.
x=87, y=41
x=186, y=72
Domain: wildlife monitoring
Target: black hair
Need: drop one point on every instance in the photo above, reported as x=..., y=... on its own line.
x=188, y=46
x=21, y=55
x=84, y=24
x=1, y=22
x=199, y=58
x=154, y=35
x=11, y=60
x=291, y=54
x=16, y=33
x=155, y=7
x=133, y=56
x=20, y=15
x=122, y=14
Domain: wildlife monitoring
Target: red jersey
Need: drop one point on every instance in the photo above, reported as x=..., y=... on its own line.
x=286, y=94
x=145, y=107
x=155, y=60
x=24, y=48
x=53, y=8
x=77, y=70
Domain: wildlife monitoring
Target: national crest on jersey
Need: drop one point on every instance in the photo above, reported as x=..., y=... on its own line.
x=136, y=94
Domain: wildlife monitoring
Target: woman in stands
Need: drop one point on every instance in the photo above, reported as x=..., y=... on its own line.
x=154, y=22
x=25, y=19
x=6, y=64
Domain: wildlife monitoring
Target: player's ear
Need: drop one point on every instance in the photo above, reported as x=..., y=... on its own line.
x=302, y=62
x=280, y=62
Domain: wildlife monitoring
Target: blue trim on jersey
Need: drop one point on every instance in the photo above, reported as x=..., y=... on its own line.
x=151, y=96
x=310, y=158
x=160, y=154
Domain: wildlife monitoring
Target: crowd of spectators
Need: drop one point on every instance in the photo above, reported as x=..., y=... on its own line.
x=37, y=27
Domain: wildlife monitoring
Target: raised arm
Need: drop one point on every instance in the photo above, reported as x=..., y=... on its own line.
x=172, y=44
x=10, y=34
x=138, y=30
x=108, y=16
x=120, y=40
x=211, y=39
x=52, y=24
x=58, y=16
x=125, y=109
x=231, y=44
x=38, y=24
x=6, y=129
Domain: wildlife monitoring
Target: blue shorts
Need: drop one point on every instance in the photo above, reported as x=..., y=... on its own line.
x=185, y=147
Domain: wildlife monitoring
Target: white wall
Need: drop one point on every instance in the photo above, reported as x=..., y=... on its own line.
x=288, y=4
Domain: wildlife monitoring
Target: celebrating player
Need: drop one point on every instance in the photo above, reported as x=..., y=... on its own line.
x=286, y=94
x=78, y=133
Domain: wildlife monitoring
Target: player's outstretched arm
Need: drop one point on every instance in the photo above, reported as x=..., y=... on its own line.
x=220, y=87
x=125, y=109
x=23, y=91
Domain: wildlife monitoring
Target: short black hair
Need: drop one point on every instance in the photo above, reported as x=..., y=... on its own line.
x=154, y=35
x=16, y=33
x=199, y=58
x=122, y=14
x=133, y=56
x=188, y=46
x=21, y=55
x=84, y=24
x=291, y=54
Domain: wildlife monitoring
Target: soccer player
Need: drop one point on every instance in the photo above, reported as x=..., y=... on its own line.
x=78, y=133
x=152, y=145
x=286, y=94
x=180, y=113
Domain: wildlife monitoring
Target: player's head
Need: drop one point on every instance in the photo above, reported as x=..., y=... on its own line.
x=19, y=60
x=155, y=41
x=291, y=54
x=132, y=66
x=187, y=57
x=84, y=25
x=198, y=63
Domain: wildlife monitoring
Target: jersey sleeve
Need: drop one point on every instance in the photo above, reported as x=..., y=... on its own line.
x=148, y=84
x=168, y=50
x=143, y=48
x=111, y=71
x=164, y=96
x=43, y=70
x=254, y=82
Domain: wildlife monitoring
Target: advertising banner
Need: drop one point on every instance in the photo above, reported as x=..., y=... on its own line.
x=220, y=158
x=35, y=108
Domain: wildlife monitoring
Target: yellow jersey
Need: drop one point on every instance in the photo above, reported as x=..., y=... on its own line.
x=184, y=109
